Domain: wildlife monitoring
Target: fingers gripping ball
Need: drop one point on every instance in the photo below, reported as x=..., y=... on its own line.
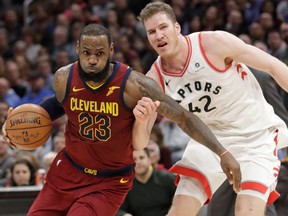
x=28, y=126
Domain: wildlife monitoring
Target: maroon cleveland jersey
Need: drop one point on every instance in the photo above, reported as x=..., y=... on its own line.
x=99, y=130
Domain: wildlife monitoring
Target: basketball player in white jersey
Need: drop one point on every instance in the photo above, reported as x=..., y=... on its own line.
x=205, y=72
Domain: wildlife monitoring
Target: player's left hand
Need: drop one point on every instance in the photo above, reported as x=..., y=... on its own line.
x=4, y=129
x=145, y=108
x=232, y=170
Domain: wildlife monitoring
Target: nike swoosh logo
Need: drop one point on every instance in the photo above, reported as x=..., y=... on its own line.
x=58, y=162
x=77, y=89
x=123, y=181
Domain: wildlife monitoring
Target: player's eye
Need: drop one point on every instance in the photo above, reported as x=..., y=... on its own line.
x=100, y=53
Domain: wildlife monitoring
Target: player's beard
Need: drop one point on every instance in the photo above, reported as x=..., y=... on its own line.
x=97, y=77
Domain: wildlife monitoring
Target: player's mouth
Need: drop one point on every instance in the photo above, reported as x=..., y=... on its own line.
x=91, y=70
x=161, y=45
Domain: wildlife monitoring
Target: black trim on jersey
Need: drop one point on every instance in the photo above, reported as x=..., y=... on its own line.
x=122, y=88
x=68, y=85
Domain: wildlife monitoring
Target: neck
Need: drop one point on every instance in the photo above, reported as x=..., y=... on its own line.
x=177, y=60
x=146, y=176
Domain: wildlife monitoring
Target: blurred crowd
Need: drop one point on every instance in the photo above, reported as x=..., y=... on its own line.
x=39, y=38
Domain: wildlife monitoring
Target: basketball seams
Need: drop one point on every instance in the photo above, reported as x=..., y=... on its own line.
x=27, y=128
x=48, y=118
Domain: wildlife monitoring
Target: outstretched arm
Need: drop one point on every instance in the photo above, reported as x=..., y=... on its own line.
x=236, y=49
x=139, y=84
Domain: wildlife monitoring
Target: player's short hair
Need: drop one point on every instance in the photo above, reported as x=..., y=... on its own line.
x=95, y=30
x=157, y=7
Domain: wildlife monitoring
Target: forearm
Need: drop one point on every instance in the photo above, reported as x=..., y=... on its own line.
x=53, y=107
x=200, y=132
x=141, y=132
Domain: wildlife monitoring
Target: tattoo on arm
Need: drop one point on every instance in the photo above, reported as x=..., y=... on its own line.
x=186, y=120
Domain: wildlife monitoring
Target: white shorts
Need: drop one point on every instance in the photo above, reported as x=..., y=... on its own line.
x=256, y=154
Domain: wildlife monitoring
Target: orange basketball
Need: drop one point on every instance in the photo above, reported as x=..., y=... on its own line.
x=28, y=126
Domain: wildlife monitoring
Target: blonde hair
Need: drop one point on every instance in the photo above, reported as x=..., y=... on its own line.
x=157, y=7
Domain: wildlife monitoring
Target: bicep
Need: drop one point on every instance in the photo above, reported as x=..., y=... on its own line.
x=59, y=83
x=244, y=53
x=139, y=86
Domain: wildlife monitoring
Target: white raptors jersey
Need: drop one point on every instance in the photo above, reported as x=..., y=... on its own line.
x=229, y=101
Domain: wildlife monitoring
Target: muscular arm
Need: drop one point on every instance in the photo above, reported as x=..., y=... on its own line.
x=223, y=47
x=52, y=104
x=139, y=85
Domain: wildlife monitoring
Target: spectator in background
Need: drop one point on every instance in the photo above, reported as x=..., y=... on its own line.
x=60, y=41
x=152, y=191
x=3, y=112
x=277, y=46
x=174, y=138
x=154, y=154
x=17, y=83
x=7, y=94
x=23, y=173
x=266, y=21
x=38, y=93
x=12, y=24
x=5, y=49
x=32, y=48
x=235, y=23
x=284, y=31
x=62, y=59
x=6, y=161
x=282, y=10
x=58, y=142
x=45, y=69
x=256, y=32
x=2, y=68
x=157, y=136
x=48, y=159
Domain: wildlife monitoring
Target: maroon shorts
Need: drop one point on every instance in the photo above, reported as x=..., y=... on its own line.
x=69, y=191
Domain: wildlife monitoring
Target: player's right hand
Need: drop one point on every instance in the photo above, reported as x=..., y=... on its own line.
x=232, y=170
x=145, y=108
x=4, y=129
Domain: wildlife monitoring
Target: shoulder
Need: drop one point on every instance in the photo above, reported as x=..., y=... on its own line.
x=63, y=72
x=218, y=37
x=60, y=81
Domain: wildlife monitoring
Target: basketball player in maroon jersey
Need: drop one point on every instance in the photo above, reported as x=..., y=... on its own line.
x=94, y=172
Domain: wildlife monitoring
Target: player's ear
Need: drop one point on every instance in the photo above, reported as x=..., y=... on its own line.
x=111, y=49
x=177, y=28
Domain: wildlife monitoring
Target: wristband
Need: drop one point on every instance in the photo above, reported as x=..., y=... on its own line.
x=223, y=153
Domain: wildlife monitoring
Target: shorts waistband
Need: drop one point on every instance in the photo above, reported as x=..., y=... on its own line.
x=101, y=173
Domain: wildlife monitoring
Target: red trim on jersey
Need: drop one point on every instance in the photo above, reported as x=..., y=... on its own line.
x=187, y=61
x=254, y=186
x=159, y=75
x=195, y=174
x=276, y=142
x=206, y=58
x=274, y=195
